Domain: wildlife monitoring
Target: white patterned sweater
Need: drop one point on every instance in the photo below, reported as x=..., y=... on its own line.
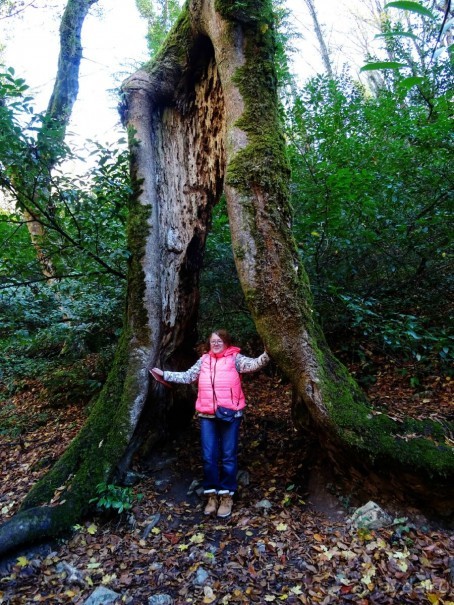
x=243, y=365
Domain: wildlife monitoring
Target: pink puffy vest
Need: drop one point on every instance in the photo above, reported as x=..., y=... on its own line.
x=219, y=382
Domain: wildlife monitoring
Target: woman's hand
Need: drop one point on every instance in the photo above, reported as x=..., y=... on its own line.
x=158, y=371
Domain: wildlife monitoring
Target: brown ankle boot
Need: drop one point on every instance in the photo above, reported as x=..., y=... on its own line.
x=211, y=505
x=225, y=506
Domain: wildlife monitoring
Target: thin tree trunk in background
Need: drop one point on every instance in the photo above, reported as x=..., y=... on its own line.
x=320, y=37
x=58, y=113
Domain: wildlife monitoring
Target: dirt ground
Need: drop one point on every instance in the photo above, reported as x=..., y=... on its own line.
x=288, y=538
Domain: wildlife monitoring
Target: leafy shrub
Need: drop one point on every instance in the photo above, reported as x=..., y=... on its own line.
x=115, y=498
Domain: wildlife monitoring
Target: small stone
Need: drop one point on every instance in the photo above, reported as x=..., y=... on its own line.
x=102, y=596
x=154, y=520
x=264, y=504
x=131, y=478
x=73, y=575
x=243, y=478
x=194, y=487
x=160, y=599
x=370, y=516
x=201, y=576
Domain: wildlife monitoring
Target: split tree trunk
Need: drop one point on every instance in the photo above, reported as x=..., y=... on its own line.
x=203, y=115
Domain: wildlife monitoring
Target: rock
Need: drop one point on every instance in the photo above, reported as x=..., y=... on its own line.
x=196, y=488
x=154, y=520
x=370, y=516
x=73, y=575
x=265, y=504
x=243, y=478
x=102, y=596
x=131, y=478
x=160, y=599
x=201, y=576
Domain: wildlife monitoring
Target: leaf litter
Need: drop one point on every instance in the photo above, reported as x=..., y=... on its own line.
x=276, y=547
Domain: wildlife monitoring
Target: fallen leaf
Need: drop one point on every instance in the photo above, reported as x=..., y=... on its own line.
x=197, y=538
x=92, y=529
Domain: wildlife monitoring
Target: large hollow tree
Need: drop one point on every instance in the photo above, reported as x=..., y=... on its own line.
x=203, y=118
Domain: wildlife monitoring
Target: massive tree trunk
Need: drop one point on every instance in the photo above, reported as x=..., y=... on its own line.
x=203, y=116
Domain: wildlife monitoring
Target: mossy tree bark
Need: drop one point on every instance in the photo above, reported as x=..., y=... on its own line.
x=203, y=117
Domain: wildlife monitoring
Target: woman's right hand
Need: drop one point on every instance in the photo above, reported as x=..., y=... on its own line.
x=158, y=371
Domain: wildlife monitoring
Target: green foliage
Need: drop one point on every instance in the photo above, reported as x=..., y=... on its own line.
x=418, y=52
x=115, y=498
x=46, y=322
x=402, y=333
x=160, y=16
x=371, y=191
x=222, y=301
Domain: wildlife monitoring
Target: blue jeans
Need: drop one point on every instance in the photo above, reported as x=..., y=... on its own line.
x=219, y=441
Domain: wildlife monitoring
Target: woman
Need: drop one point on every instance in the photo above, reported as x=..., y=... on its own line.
x=219, y=385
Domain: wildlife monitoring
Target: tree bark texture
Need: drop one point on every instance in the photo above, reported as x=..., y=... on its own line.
x=201, y=118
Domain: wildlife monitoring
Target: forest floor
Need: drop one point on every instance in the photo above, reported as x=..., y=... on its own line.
x=288, y=539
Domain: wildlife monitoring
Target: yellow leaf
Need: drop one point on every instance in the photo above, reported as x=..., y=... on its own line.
x=402, y=565
x=296, y=589
x=269, y=598
x=92, y=529
x=318, y=537
x=370, y=573
x=197, y=538
x=70, y=593
x=108, y=578
x=22, y=561
x=433, y=598
x=283, y=597
x=183, y=546
x=209, y=595
x=281, y=527
x=155, y=530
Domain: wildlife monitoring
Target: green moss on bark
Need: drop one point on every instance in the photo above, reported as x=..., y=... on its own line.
x=95, y=452
x=176, y=47
x=262, y=166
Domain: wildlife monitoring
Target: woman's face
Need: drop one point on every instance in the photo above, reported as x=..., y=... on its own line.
x=216, y=343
